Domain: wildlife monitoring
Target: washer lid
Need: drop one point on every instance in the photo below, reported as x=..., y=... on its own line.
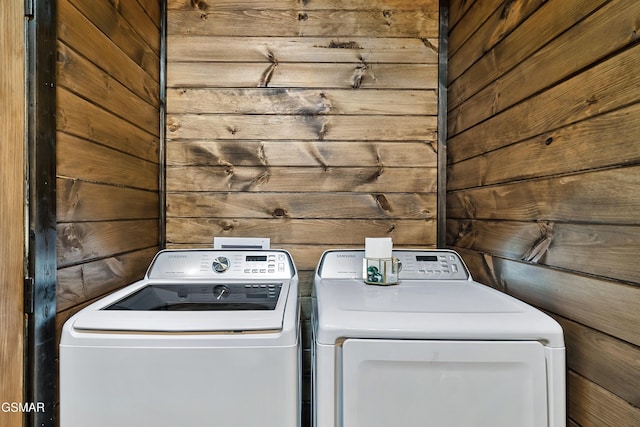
x=160, y=306
x=426, y=309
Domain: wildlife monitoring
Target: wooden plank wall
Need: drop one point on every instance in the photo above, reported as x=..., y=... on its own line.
x=107, y=146
x=312, y=123
x=543, y=178
x=12, y=148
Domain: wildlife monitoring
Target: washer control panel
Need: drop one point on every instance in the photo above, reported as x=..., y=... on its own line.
x=414, y=265
x=227, y=264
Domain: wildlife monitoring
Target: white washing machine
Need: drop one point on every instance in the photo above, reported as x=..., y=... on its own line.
x=207, y=338
x=436, y=349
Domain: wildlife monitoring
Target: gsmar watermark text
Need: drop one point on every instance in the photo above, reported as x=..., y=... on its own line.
x=22, y=407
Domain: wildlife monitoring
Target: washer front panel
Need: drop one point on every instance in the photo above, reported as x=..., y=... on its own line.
x=222, y=264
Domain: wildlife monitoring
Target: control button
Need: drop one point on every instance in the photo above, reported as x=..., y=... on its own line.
x=281, y=267
x=271, y=270
x=262, y=270
x=454, y=268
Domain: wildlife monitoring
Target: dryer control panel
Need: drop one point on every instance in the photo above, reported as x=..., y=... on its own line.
x=222, y=264
x=415, y=265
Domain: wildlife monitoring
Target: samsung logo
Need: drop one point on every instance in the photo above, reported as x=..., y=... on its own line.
x=345, y=256
x=178, y=256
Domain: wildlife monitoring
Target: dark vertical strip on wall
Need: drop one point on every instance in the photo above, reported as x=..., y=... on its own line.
x=162, y=153
x=443, y=60
x=40, y=381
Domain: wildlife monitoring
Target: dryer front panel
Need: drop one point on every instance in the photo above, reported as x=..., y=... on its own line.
x=443, y=383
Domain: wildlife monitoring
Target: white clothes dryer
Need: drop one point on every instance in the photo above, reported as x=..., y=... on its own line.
x=207, y=338
x=437, y=349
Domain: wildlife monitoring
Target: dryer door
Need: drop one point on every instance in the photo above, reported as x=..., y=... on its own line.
x=388, y=383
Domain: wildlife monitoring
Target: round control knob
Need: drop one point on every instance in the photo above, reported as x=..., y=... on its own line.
x=221, y=264
x=221, y=291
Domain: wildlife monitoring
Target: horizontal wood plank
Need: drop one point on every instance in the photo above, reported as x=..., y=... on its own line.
x=302, y=75
x=301, y=153
x=83, y=241
x=599, y=250
x=606, y=31
x=605, y=141
x=203, y=48
x=457, y=9
x=301, y=101
x=313, y=23
x=301, y=127
x=288, y=231
x=252, y=179
x=604, y=360
x=137, y=16
x=80, y=76
x=469, y=22
x=502, y=21
x=591, y=405
x=79, y=283
x=78, y=117
x=105, y=17
x=102, y=164
x=605, y=196
x=604, y=305
x=607, y=86
x=76, y=31
x=85, y=201
x=205, y=5
x=153, y=9
x=551, y=20
x=302, y=205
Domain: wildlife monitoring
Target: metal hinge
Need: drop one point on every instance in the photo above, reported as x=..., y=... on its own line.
x=29, y=8
x=29, y=289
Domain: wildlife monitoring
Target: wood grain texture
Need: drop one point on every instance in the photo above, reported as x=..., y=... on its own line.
x=85, y=282
x=108, y=19
x=204, y=5
x=302, y=153
x=80, y=76
x=606, y=31
x=258, y=179
x=312, y=23
x=80, y=33
x=607, y=86
x=76, y=116
x=80, y=242
x=302, y=75
x=12, y=125
x=591, y=405
x=551, y=20
x=301, y=127
x=503, y=20
x=302, y=101
x=319, y=231
x=372, y=50
x=98, y=164
x=87, y=201
x=582, y=197
x=546, y=154
x=301, y=205
x=604, y=360
x=599, y=250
